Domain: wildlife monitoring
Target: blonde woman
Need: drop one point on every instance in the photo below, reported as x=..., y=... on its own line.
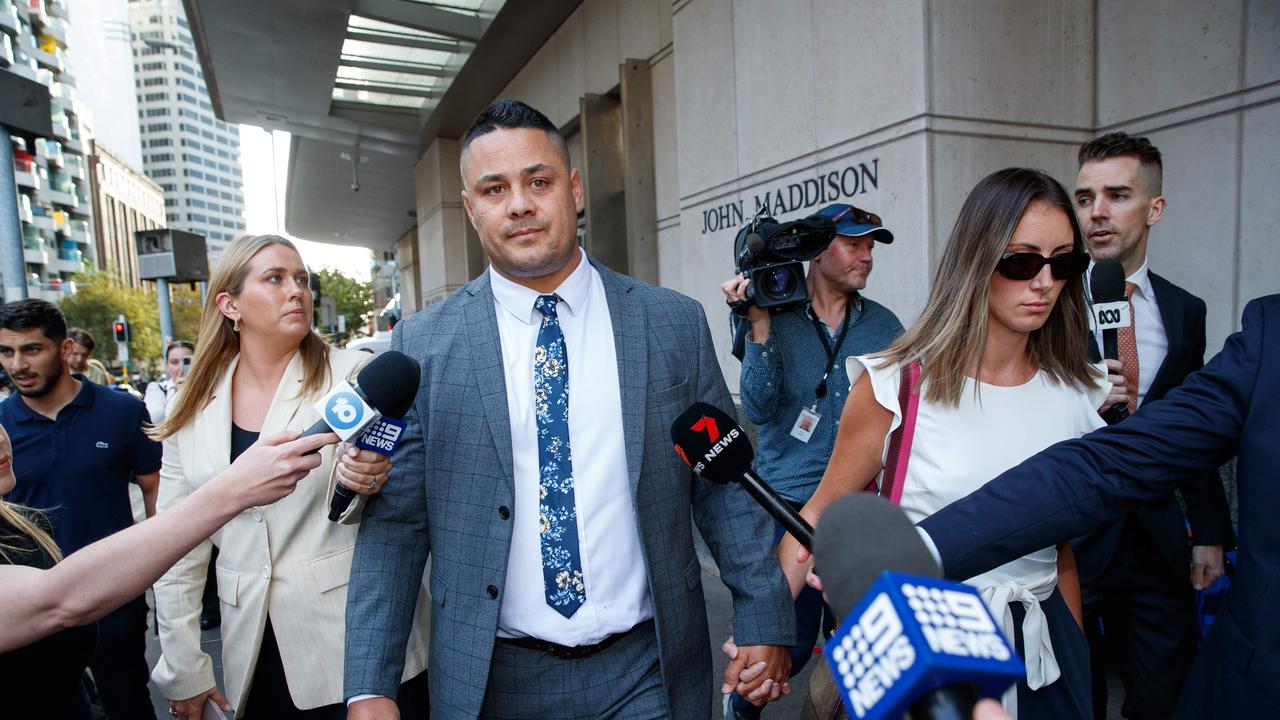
x=1003, y=375
x=282, y=570
x=48, y=633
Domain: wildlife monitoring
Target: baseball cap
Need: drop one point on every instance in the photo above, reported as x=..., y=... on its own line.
x=856, y=222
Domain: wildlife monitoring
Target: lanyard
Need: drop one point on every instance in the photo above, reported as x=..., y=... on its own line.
x=832, y=350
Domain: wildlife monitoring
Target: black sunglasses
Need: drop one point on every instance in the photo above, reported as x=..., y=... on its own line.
x=1024, y=266
x=860, y=216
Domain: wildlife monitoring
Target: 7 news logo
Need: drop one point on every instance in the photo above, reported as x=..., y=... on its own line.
x=718, y=443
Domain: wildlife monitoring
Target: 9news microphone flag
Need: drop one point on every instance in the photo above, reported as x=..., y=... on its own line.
x=909, y=642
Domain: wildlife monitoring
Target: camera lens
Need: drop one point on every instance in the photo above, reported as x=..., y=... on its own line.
x=779, y=283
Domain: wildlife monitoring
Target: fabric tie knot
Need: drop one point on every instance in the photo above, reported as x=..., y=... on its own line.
x=1128, y=290
x=546, y=304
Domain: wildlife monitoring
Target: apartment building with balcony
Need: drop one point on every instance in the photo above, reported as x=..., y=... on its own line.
x=54, y=206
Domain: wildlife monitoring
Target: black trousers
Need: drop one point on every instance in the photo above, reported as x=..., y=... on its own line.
x=119, y=664
x=269, y=696
x=1140, y=619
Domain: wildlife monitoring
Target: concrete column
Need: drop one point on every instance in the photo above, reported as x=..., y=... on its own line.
x=604, y=181
x=164, y=308
x=12, y=264
x=449, y=251
x=639, y=196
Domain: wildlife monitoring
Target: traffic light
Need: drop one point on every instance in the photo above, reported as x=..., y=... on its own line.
x=120, y=329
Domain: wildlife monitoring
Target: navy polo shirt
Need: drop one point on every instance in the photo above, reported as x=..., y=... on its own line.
x=77, y=468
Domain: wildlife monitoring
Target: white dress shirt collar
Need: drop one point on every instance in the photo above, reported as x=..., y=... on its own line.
x=1141, y=280
x=518, y=299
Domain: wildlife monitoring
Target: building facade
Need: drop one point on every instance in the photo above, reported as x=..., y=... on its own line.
x=192, y=155
x=51, y=173
x=686, y=116
x=124, y=202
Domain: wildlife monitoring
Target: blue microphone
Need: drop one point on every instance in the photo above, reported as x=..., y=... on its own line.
x=909, y=643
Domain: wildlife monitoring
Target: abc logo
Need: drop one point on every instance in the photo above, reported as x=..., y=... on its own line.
x=344, y=411
x=1108, y=317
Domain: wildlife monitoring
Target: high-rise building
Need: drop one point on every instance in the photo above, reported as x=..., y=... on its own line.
x=192, y=155
x=51, y=173
x=124, y=202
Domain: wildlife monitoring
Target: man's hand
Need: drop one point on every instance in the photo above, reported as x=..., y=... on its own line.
x=1207, y=565
x=758, y=673
x=1119, y=394
x=378, y=708
x=193, y=707
x=735, y=291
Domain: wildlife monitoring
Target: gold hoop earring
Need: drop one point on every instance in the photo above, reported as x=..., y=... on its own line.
x=236, y=327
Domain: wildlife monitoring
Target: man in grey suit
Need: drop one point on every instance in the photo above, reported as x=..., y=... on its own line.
x=538, y=475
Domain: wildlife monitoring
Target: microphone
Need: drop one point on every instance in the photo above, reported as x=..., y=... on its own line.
x=717, y=449
x=370, y=411
x=1109, y=311
x=910, y=643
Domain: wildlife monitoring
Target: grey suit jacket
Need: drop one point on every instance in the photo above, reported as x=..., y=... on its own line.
x=454, y=471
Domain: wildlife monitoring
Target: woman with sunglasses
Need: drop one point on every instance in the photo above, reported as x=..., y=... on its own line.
x=1001, y=353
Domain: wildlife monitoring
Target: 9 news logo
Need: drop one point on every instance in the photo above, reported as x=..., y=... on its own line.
x=344, y=410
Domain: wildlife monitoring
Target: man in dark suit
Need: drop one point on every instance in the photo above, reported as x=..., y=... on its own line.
x=1133, y=573
x=538, y=475
x=1226, y=409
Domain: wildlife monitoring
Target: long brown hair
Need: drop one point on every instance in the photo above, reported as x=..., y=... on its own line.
x=949, y=337
x=218, y=344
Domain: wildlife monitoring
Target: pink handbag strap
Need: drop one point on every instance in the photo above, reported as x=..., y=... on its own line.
x=895, y=467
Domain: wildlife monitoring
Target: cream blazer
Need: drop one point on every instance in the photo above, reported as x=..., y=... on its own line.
x=285, y=559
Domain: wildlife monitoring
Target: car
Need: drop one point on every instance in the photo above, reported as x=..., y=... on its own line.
x=379, y=342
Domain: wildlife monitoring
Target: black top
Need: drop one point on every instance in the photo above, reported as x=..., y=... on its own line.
x=241, y=439
x=44, y=679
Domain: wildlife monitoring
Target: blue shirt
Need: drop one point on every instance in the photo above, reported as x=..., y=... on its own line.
x=780, y=376
x=76, y=469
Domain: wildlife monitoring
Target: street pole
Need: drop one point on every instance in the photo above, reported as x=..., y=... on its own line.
x=166, y=311
x=12, y=264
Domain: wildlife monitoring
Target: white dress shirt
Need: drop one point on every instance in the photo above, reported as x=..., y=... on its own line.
x=1148, y=328
x=617, y=583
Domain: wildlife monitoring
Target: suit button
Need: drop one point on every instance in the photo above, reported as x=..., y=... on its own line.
x=503, y=512
x=492, y=592
x=257, y=515
x=266, y=573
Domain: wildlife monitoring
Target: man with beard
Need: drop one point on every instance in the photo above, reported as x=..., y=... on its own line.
x=77, y=446
x=794, y=384
x=1134, y=573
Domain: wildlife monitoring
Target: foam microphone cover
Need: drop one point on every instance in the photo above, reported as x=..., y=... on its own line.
x=1106, y=281
x=859, y=537
x=390, y=383
x=712, y=443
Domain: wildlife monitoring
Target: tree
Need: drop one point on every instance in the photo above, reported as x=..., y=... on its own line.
x=99, y=299
x=354, y=300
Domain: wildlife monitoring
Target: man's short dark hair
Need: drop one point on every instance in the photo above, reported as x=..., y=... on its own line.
x=82, y=337
x=25, y=315
x=512, y=115
x=1120, y=144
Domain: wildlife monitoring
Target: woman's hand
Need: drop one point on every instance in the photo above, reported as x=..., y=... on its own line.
x=271, y=468
x=193, y=707
x=362, y=471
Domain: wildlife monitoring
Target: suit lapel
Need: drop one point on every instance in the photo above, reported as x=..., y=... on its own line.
x=1171, y=312
x=486, y=360
x=630, y=330
x=288, y=398
x=213, y=424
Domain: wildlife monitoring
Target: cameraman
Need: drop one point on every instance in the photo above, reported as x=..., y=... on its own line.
x=794, y=383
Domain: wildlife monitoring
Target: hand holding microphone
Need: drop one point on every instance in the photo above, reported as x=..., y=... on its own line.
x=369, y=414
x=1110, y=312
x=271, y=468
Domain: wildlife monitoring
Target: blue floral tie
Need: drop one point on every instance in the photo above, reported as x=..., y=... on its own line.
x=557, y=511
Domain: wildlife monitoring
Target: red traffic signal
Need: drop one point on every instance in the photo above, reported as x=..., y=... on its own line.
x=120, y=329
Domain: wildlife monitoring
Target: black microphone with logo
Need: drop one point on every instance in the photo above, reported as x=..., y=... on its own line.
x=909, y=642
x=1109, y=312
x=717, y=449
x=369, y=411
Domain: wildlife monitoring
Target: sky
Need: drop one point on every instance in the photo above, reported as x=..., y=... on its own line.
x=264, y=187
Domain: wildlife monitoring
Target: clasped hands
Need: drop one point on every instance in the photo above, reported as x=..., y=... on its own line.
x=759, y=673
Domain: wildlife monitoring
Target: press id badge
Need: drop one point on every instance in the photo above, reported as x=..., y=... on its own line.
x=808, y=420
